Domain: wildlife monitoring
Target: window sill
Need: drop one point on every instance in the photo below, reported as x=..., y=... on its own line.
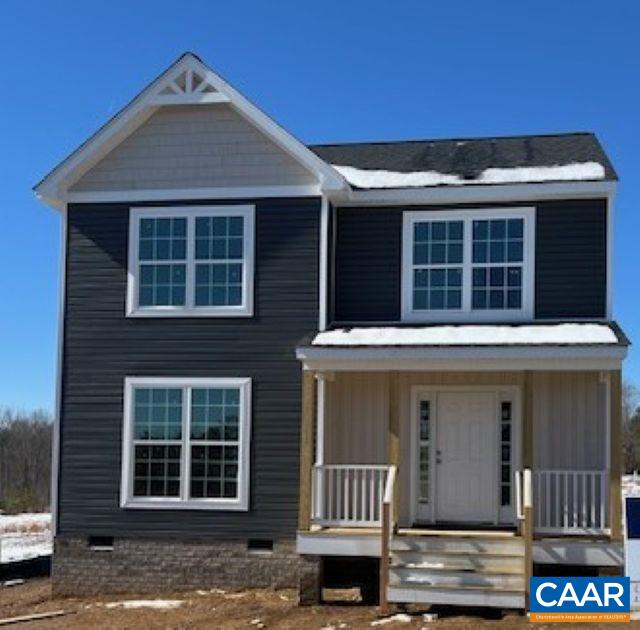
x=194, y=312
x=467, y=317
x=163, y=504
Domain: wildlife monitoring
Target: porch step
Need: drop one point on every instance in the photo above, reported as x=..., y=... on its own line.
x=464, y=569
x=496, y=546
x=404, y=576
x=455, y=596
x=480, y=562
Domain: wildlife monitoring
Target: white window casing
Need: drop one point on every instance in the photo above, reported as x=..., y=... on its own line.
x=184, y=500
x=191, y=214
x=466, y=313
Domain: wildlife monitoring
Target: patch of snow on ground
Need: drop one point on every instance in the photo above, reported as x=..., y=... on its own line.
x=24, y=522
x=378, y=178
x=469, y=335
x=631, y=485
x=24, y=536
x=400, y=617
x=157, y=604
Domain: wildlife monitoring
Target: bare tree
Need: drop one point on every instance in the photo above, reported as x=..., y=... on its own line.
x=630, y=427
x=25, y=460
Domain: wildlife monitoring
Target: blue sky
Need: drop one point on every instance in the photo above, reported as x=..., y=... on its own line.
x=327, y=71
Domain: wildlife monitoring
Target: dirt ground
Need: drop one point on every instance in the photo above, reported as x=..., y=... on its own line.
x=262, y=608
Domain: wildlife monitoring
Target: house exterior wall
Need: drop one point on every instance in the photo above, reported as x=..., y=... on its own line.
x=102, y=347
x=189, y=146
x=571, y=261
x=569, y=418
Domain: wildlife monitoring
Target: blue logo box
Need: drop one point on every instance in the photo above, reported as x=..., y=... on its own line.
x=588, y=595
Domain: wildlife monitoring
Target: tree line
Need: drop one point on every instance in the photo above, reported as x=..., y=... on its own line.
x=631, y=427
x=25, y=460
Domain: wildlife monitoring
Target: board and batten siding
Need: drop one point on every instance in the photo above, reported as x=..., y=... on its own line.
x=569, y=411
x=186, y=146
x=571, y=261
x=102, y=347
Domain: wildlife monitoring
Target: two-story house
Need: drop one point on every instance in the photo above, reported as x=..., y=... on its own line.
x=273, y=355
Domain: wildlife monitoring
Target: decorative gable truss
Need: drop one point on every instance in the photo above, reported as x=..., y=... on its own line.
x=189, y=87
x=188, y=81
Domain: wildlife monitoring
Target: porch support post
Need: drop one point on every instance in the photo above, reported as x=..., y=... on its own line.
x=306, y=448
x=527, y=477
x=393, y=437
x=615, y=454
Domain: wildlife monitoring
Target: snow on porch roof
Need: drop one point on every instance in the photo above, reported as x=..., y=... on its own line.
x=571, y=334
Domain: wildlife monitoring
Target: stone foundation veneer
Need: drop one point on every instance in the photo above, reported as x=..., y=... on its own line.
x=145, y=565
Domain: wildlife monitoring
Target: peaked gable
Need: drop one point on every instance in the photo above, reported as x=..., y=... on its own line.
x=184, y=146
x=188, y=81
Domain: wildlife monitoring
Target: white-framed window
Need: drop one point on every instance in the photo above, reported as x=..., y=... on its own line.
x=191, y=261
x=467, y=265
x=186, y=443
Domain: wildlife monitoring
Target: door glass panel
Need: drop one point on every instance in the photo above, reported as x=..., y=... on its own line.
x=425, y=436
x=505, y=453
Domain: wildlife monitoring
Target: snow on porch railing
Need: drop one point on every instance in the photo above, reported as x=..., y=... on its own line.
x=348, y=495
x=570, y=501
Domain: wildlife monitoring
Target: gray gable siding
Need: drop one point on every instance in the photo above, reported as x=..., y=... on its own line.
x=187, y=146
x=571, y=261
x=102, y=346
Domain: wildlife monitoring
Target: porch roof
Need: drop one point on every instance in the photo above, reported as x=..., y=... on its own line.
x=575, y=345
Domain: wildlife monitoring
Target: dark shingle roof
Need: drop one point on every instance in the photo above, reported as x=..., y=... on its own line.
x=468, y=157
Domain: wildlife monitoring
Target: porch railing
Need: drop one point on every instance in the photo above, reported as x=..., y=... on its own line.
x=570, y=501
x=348, y=495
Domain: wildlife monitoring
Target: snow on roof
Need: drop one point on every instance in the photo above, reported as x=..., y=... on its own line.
x=470, y=335
x=576, y=171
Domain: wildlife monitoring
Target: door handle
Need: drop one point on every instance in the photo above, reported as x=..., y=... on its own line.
x=438, y=461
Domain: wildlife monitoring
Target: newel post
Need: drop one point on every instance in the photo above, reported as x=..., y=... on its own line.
x=393, y=436
x=527, y=478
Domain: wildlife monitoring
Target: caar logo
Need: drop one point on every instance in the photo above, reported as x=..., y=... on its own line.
x=580, y=599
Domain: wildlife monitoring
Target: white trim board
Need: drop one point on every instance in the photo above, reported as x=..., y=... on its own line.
x=385, y=359
x=55, y=439
x=184, y=502
x=494, y=193
x=52, y=189
x=184, y=194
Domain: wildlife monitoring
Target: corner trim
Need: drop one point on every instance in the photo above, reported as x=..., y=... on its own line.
x=57, y=420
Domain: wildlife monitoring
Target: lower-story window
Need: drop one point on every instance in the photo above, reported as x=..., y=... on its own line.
x=186, y=443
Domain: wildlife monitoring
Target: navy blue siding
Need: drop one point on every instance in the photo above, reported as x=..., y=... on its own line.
x=102, y=346
x=571, y=261
x=367, y=261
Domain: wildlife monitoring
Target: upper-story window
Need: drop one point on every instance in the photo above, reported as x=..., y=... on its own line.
x=468, y=265
x=191, y=261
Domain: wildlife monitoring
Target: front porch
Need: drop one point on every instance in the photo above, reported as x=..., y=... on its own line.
x=461, y=443
x=462, y=467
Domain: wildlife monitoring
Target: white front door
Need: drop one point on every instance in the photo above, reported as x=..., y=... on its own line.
x=465, y=457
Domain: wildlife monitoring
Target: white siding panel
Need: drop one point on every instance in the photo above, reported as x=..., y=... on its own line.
x=569, y=418
x=194, y=146
x=569, y=421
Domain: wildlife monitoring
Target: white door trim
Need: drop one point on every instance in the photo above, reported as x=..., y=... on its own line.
x=502, y=392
